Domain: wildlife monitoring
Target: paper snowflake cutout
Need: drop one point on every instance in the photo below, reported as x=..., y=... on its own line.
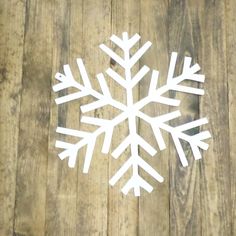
x=130, y=111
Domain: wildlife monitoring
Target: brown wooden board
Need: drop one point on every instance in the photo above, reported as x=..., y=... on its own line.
x=39, y=193
x=31, y=175
x=12, y=17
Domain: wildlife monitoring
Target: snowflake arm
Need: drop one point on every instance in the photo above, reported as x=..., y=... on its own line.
x=88, y=139
x=127, y=63
x=68, y=80
x=135, y=162
x=103, y=99
x=173, y=83
x=136, y=181
x=177, y=133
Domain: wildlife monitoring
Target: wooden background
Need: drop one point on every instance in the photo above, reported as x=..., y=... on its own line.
x=39, y=194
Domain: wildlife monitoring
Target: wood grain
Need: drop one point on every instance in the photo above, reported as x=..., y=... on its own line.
x=92, y=190
x=31, y=172
x=231, y=62
x=185, y=38
x=12, y=16
x=215, y=166
x=61, y=181
x=40, y=194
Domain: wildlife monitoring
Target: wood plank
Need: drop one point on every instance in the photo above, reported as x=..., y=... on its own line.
x=185, y=38
x=92, y=188
x=12, y=16
x=123, y=209
x=154, y=207
x=215, y=166
x=34, y=120
x=231, y=62
x=53, y=199
x=62, y=180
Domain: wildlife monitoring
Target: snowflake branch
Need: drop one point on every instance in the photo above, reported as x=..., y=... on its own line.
x=129, y=44
x=136, y=181
x=133, y=140
x=125, y=44
x=135, y=162
x=177, y=133
x=68, y=80
x=173, y=83
x=140, y=74
x=89, y=139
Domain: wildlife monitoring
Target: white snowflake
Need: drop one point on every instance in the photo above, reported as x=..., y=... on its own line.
x=130, y=111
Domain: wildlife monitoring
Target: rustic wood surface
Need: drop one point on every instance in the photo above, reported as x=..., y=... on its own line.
x=39, y=194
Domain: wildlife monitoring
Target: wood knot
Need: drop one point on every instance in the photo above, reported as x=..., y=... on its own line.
x=112, y=62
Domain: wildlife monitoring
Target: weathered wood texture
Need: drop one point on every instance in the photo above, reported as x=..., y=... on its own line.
x=185, y=37
x=39, y=194
x=12, y=21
